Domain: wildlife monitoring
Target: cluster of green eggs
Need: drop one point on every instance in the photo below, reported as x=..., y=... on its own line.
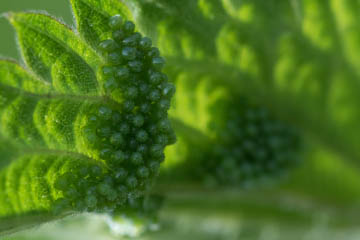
x=253, y=145
x=129, y=135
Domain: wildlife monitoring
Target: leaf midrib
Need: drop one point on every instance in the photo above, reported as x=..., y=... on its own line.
x=54, y=95
x=24, y=150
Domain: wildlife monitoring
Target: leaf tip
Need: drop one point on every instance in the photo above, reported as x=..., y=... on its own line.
x=5, y=15
x=9, y=16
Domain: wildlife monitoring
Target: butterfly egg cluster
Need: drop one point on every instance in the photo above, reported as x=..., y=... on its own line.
x=129, y=134
x=254, y=146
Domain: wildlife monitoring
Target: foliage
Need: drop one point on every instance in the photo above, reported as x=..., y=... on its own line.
x=269, y=53
x=260, y=85
x=233, y=145
x=83, y=116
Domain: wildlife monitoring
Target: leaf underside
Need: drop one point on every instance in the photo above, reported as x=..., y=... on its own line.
x=300, y=62
x=297, y=58
x=67, y=134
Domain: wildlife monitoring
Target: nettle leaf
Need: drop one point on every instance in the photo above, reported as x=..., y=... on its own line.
x=85, y=120
x=297, y=59
x=172, y=25
x=223, y=139
x=67, y=63
x=92, y=18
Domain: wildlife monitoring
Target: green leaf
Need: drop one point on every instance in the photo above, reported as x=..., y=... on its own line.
x=79, y=119
x=55, y=53
x=179, y=28
x=92, y=18
x=295, y=58
x=298, y=59
x=15, y=76
x=304, y=73
x=220, y=144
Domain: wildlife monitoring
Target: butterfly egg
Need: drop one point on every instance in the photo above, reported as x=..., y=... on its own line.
x=127, y=133
x=253, y=145
x=115, y=22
